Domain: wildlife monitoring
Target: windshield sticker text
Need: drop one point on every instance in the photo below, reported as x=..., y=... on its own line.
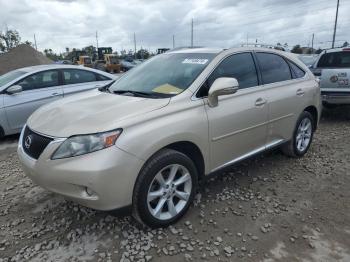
x=195, y=61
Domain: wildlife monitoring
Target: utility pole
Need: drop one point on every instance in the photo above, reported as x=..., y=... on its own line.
x=173, y=41
x=247, y=39
x=312, y=43
x=96, y=41
x=135, y=45
x=36, y=47
x=192, y=33
x=335, y=24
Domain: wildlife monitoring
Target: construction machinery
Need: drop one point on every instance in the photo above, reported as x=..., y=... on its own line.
x=107, y=61
x=79, y=57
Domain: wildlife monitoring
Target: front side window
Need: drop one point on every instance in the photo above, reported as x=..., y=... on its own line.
x=40, y=80
x=273, y=68
x=240, y=66
x=76, y=76
x=297, y=72
x=335, y=60
x=164, y=75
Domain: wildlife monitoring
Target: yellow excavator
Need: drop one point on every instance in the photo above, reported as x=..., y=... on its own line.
x=107, y=61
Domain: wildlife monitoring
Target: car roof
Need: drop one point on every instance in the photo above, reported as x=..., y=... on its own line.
x=37, y=68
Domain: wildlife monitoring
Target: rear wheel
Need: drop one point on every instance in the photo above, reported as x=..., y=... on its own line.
x=302, y=136
x=165, y=189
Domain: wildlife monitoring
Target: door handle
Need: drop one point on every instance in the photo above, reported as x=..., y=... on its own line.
x=260, y=102
x=55, y=94
x=300, y=92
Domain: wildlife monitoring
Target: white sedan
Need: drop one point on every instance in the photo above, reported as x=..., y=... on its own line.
x=24, y=90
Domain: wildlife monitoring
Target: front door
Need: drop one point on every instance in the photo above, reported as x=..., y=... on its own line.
x=238, y=125
x=38, y=89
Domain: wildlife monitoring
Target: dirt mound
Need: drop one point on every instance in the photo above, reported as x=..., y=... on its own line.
x=21, y=56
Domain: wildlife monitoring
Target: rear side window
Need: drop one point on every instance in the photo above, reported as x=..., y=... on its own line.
x=76, y=76
x=335, y=60
x=297, y=72
x=40, y=80
x=240, y=66
x=273, y=68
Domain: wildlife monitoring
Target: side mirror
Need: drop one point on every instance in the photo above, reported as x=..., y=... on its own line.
x=222, y=86
x=14, y=89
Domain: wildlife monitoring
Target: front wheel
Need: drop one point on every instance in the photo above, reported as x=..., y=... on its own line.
x=164, y=189
x=302, y=136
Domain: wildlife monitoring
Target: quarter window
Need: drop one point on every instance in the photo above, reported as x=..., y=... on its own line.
x=102, y=78
x=76, y=76
x=273, y=68
x=296, y=71
x=240, y=66
x=40, y=80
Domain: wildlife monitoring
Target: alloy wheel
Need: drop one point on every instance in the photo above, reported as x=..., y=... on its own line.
x=304, y=134
x=169, y=192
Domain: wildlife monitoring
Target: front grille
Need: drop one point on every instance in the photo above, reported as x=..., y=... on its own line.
x=34, y=144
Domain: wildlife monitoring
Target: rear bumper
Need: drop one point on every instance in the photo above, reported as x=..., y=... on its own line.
x=336, y=98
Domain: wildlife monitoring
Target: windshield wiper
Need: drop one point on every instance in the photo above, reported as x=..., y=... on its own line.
x=106, y=87
x=135, y=93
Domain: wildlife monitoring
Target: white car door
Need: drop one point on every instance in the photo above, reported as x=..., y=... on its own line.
x=38, y=89
x=79, y=80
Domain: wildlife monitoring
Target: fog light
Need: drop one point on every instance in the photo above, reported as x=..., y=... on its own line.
x=90, y=192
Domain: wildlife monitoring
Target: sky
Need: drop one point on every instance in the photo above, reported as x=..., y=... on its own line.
x=58, y=24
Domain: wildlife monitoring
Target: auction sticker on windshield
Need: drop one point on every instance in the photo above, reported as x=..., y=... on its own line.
x=195, y=61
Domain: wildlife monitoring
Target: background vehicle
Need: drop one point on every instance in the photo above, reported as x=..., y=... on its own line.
x=199, y=110
x=308, y=60
x=333, y=69
x=24, y=90
x=106, y=60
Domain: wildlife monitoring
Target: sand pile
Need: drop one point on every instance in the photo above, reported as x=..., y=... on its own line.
x=21, y=56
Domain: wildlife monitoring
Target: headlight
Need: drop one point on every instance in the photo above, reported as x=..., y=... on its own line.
x=84, y=144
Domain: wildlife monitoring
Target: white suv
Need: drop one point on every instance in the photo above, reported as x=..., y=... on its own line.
x=148, y=139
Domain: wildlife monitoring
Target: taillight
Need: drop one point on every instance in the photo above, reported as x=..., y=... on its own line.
x=346, y=49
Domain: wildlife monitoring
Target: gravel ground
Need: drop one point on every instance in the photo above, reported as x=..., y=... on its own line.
x=270, y=208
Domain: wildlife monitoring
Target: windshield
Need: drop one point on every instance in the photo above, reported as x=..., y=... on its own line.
x=114, y=60
x=164, y=75
x=10, y=76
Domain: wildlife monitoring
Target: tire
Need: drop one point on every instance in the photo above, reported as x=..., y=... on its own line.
x=329, y=106
x=161, y=165
x=292, y=148
x=2, y=133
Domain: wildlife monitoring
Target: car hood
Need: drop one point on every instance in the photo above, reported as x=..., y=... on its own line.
x=90, y=112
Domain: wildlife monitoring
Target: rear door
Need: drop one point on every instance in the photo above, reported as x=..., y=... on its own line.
x=79, y=80
x=38, y=89
x=286, y=94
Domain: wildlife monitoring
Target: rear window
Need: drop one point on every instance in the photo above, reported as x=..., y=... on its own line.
x=335, y=60
x=76, y=76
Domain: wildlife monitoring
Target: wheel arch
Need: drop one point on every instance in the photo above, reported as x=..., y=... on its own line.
x=315, y=114
x=2, y=132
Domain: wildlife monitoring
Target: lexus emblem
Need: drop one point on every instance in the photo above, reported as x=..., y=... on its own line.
x=28, y=141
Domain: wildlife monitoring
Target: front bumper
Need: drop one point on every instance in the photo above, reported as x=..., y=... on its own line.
x=336, y=98
x=110, y=174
